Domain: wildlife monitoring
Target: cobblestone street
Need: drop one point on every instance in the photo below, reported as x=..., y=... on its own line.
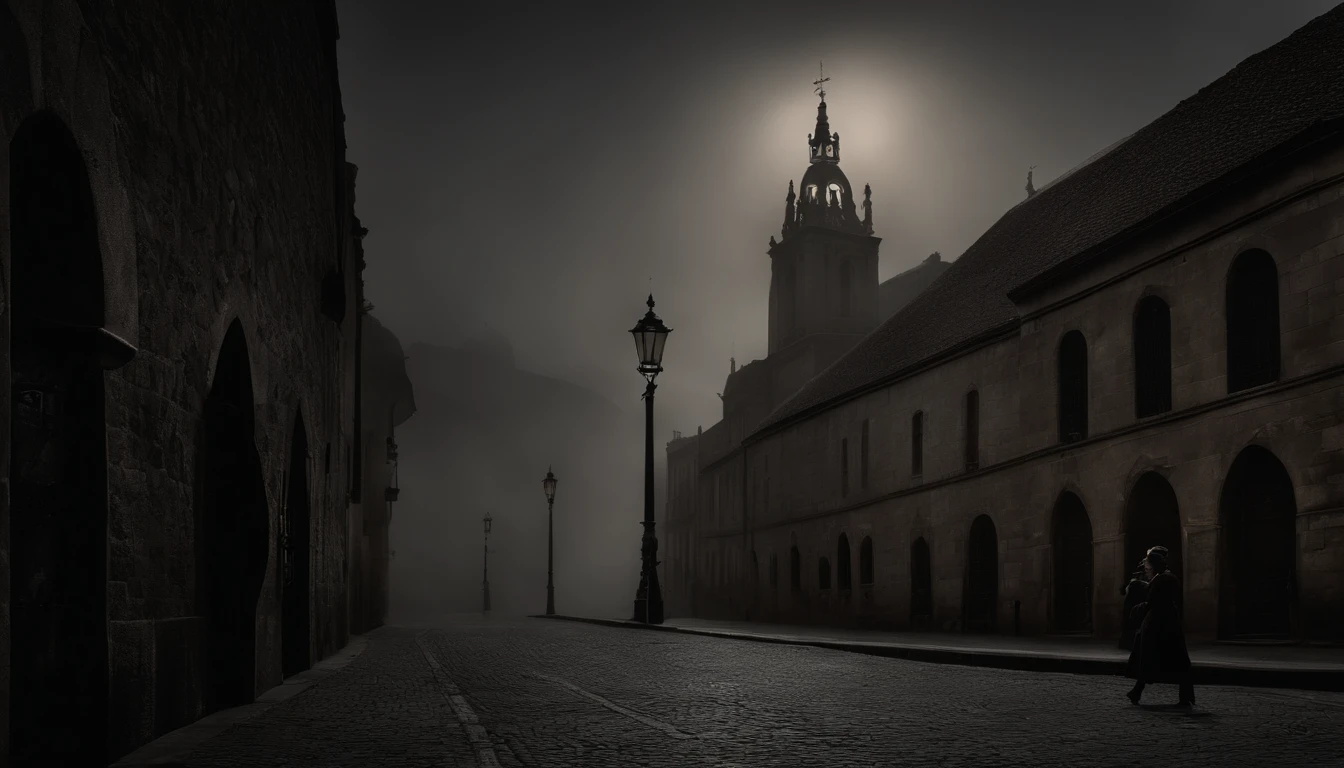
x=528, y=692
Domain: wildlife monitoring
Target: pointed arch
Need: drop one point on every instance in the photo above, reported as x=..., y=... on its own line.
x=58, y=509
x=866, y=561
x=1153, y=519
x=1071, y=531
x=982, y=576
x=1258, y=513
x=233, y=540
x=294, y=579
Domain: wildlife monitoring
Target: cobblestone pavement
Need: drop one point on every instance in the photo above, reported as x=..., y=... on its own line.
x=530, y=692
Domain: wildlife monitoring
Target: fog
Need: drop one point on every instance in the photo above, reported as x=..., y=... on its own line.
x=531, y=172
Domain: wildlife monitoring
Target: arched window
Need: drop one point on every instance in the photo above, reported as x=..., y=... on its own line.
x=843, y=578
x=863, y=457
x=1252, y=321
x=972, y=438
x=1152, y=357
x=866, y=561
x=917, y=444
x=845, y=289
x=795, y=570
x=1072, y=387
x=844, y=467
x=823, y=574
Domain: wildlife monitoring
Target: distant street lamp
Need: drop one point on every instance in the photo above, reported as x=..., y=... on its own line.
x=548, y=485
x=485, y=584
x=650, y=336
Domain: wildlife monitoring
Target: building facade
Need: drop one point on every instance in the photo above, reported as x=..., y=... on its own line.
x=1146, y=351
x=824, y=298
x=181, y=271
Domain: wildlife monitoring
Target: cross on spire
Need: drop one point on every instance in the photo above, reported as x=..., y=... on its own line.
x=821, y=81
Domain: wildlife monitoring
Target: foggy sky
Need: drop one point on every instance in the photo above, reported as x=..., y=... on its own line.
x=531, y=169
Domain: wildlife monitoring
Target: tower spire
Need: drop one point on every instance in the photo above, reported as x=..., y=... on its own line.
x=823, y=146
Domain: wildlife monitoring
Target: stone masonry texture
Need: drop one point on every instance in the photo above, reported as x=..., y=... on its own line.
x=213, y=137
x=565, y=694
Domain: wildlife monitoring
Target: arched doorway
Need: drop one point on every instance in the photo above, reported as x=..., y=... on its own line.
x=982, y=576
x=1259, y=518
x=295, y=602
x=58, y=463
x=1153, y=519
x=921, y=582
x=1073, y=565
x=234, y=531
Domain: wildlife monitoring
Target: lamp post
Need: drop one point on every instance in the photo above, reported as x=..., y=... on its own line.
x=485, y=579
x=548, y=485
x=650, y=336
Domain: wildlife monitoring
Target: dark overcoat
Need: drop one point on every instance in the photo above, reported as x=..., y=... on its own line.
x=1136, y=593
x=1159, y=654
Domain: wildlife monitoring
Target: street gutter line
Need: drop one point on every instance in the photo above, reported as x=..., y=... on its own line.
x=617, y=708
x=471, y=725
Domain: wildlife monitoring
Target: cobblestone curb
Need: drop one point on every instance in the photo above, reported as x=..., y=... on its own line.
x=170, y=750
x=1205, y=673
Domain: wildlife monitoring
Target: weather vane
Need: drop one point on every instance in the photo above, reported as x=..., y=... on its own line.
x=821, y=80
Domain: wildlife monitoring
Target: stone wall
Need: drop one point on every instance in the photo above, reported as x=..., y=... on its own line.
x=1297, y=216
x=213, y=140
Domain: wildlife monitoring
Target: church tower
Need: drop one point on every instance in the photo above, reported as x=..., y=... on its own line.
x=823, y=283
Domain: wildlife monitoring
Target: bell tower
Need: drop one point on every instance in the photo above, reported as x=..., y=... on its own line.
x=823, y=283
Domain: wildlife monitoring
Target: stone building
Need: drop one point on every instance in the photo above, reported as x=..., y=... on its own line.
x=824, y=298
x=1146, y=351
x=387, y=402
x=181, y=270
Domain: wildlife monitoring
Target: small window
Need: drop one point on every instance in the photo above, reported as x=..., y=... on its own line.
x=917, y=444
x=972, y=430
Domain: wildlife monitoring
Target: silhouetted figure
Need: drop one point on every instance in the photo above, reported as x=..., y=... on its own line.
x=1159, y=654
x=1135, y=592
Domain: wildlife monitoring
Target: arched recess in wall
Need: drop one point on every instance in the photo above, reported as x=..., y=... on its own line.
x=234, y=528
x=1072, y=554
x=866, y=561
x=295, y=564
x=58, y=461
x=982, y=576
x=1153, y=519
x=1258, y=513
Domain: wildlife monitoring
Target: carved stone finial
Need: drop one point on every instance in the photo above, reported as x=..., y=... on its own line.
x=867, y=209
x=772, y=241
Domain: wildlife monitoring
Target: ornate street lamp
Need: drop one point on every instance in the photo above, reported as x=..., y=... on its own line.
x=548, y=485
x=650, y=336
x=485, y=584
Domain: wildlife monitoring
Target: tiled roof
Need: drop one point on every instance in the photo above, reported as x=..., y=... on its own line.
x=1265, y=101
